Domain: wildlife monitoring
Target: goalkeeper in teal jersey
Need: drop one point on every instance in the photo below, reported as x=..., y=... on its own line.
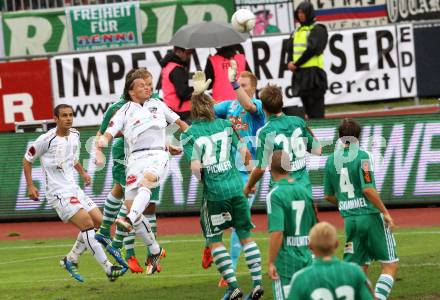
x=349, y=184
x=290, y=217
x=210, y=145
x=328, y=278
x=113, y=205
x=282, y=132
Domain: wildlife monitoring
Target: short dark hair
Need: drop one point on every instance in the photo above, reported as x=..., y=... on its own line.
x=272, y=99
x=56, y=110
x=280, y=162
x=349, y=127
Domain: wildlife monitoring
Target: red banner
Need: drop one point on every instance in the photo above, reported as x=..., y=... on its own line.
x=25, y=92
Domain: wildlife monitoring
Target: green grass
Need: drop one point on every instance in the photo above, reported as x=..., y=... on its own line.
x=29, y=270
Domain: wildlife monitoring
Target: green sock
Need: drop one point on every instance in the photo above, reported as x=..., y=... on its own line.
x=120, y=233
x=383, y=286
x=112, y=205
x=224, y=265
x=253, y=262
x=129, y=244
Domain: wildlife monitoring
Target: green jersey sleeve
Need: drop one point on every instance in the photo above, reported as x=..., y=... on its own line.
x=366, y=172
x=188, y=144
x=364, y=286
x=108, y=115
x=328, y=186
x=310, y=138
x=275, y=212
x=264, y=148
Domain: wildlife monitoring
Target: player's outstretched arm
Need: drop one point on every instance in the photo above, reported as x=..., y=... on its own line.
x=101, y=142
x=196, y=169
x=331, y=199
x=256, y=174
x=373, y=196
x=275, y=241
x=32, y=190
x=242, y=96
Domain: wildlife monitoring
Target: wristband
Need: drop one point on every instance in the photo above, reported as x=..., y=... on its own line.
x=235, y=85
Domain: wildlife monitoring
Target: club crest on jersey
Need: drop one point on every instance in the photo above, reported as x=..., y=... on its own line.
x=130, y=179
x=349, y=248
x=153, y=109
x=31, y=151
x=74, y=200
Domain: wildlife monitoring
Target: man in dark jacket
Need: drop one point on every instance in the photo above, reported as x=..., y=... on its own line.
x=175, y=76
x=309, y=80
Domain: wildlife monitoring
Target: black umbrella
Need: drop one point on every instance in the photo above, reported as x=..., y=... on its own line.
x=207, y=35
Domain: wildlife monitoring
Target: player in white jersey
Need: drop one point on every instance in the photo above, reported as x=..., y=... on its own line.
x=142, y=121
x=58, y=150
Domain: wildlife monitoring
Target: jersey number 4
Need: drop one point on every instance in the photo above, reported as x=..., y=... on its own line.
x=345, y=184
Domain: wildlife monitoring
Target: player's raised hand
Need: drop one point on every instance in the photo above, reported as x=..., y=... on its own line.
x=33, y=193
x=232, y=71
x=99, y=159
x=200, y=84
x=272, y=272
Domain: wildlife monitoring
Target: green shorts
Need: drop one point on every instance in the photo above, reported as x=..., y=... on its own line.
x=155, y=194
x=368, y=238
x=118, y=173
x=280, y=288
x=216, y=216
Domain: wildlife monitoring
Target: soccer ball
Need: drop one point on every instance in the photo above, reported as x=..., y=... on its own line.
x=243, y=20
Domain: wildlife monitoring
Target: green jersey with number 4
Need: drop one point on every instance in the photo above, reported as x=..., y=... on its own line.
x=286, y=133
x=290, y=210
x=348, y=172
x=214, y=144
x=330, y=280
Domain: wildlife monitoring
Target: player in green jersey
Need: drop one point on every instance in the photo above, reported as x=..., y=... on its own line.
x=290, y=215
x=349, y=184
x=210, y=145
x=328, y=278
x=282, y=132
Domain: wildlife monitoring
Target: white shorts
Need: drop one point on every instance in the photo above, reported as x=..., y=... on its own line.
x=139, y=163
x=67, y=204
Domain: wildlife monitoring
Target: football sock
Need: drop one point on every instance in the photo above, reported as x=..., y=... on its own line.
x=111, y=209
x=235, y=249
x=120, y=233
x=78, y=248
x=253, y=262
x=95, y=249
x=139, y=204
x=143, y=230
x=383, y=286
x=224, y=265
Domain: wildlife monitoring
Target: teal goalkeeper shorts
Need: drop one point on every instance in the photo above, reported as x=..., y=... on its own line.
x=369, y=238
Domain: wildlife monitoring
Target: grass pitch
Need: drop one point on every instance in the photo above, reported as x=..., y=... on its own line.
x=29, y=270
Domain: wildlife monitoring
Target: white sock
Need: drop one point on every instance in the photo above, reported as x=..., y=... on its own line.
x=140, y=202
x=95, y=249
x=78, y=248
x=143, y=230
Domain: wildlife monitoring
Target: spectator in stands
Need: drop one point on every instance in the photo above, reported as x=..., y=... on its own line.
x=309, y=80
x=217, y=70
x=175, y=76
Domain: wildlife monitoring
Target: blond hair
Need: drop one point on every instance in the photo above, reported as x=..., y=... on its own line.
x=251, y=76
x=202, y=107
x=323, y=238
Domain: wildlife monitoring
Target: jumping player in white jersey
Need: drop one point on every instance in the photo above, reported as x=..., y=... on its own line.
x=58, y=150
x=142, y=122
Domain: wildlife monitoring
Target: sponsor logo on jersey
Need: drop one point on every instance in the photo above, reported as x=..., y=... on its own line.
x=74, y=200
x=130, y=179
x=349, y=248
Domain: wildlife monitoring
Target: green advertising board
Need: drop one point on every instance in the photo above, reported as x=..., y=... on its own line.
x=103, y=26
x=34, y=32
x=406, y=150
x=47, y=31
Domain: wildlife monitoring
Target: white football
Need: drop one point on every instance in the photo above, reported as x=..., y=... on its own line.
x=243, y=20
